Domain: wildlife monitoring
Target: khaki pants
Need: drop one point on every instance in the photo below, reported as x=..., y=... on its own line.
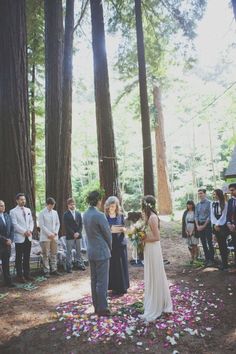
x=49, y=251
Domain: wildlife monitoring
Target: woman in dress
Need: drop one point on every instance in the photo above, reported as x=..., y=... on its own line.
x=118, y=274
x=219, y=228
x=157, y=299
x=189, y=230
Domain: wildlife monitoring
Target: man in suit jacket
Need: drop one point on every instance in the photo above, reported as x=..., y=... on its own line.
x=6, y=239
x=99, y=252
x=73, y=225
x=49, y=227
x=231, y=215
x=23, y=227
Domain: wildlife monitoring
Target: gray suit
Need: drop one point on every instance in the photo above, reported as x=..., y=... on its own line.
x=99, y=252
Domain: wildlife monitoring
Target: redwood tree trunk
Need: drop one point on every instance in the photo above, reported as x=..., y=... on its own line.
x=108, y=168
x=64, y=179
x=163, y=190
x=53, y=73
x=33, y=120
x=15, y=158
x=146, y=132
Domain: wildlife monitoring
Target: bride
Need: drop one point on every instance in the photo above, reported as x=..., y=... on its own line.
x=156, y=289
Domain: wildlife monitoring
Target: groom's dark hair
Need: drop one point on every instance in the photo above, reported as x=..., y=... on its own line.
x=93, y=198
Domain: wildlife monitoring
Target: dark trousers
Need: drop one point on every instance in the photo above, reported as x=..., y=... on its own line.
x=221, y=237
x=5, y=253
x=99, y=283
x=206, y=240
x=23, y=258
x=233, y=235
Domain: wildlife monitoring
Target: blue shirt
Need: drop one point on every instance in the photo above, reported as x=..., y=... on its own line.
x=203, y=211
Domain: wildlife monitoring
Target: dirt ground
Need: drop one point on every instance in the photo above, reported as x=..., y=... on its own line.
x=27, y=318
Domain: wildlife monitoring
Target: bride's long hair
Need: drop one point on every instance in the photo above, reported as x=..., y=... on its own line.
x=149, y=205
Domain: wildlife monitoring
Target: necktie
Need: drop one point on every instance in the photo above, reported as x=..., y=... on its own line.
x=74, y=215
x=24, y=214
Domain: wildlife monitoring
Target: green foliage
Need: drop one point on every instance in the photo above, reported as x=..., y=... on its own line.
x=80, y=192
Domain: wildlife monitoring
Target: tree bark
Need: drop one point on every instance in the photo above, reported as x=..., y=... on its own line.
x=146, y=132
x=108, y=169
x=53, y=74
x=15, y=159
x=33, y=120
x=64, y=179
x=163, y=190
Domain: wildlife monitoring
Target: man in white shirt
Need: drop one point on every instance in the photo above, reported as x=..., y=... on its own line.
x=49, y=227
x=23, y=224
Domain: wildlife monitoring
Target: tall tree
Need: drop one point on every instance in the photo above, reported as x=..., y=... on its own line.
x=108, y=168
x=146, y=131
x=53, y=68
x=163, y=190
x=64, y=163
x=35, y=49
x=16, y=169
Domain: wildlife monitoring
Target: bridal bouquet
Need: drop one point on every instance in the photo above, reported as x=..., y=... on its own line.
x=136, y=236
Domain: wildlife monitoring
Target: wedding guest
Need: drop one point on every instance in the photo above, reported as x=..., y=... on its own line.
x=189, y=230
x=203, y=224
x=231, y=216
x=73, y=225
x=6, y=239
x=99, y=252
x=23, y=224
x=219, y=228
x=157, y=299
x=118, y=273
x=49, y=227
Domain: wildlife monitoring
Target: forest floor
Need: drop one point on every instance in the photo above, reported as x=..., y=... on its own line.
x=57, y=316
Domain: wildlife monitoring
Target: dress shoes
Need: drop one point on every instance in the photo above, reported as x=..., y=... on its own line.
x=10, y=285
x=20, y=280
x=105, y=312
x=80, y=267
x=46, y=275
x=56, y=273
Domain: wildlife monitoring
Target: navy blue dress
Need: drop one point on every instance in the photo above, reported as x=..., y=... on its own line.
x=118, y=273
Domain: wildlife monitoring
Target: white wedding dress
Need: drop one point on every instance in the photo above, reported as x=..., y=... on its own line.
x=157, y=297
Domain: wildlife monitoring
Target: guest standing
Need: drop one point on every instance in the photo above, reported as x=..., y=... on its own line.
x=99, y=252
x=218, y=220
x=203, y=224
x=49, y=227
x=73, y=225
x=189, y=230
x=6, y=239
x=118, y=273
x=23, y=224
x=231, y=216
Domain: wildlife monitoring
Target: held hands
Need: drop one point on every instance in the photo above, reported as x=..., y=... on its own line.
x=28, y=233
x=200, y=227
x=231, y=227
x=51, y=236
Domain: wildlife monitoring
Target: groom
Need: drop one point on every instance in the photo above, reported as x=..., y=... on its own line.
x=99, y=252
